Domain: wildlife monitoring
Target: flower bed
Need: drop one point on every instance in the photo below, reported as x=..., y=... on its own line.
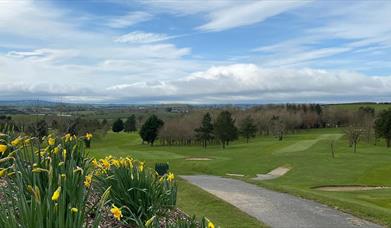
x=52, y=182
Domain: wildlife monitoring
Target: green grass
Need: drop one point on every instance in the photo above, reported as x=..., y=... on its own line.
x=308, y=153
x=194, y=200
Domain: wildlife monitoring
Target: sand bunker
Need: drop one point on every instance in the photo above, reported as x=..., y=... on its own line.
x=349, y=188
x=234, y=175
x=198, y=159
x=275, y=173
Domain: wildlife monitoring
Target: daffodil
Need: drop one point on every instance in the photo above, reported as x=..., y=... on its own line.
x=150, y=221
x=51, y=141
x=78, y=169
x=116, y=163
x=67, y=137
x=105, y=163
x=64, y=153
x=88, y=136
x=27, y=141
x=15, y=142
x=56, y=194
x=74, y=210
x=170, y=177
x=3, y=172
x=141, y=166
x=3, y=148
x=87, y=181
x=117, y=213
x=56, y=150
x=210, y=224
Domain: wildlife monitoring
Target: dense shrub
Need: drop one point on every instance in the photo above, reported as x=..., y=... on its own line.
x=162, y=168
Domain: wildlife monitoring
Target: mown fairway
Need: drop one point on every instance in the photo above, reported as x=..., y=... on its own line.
x=308, y=153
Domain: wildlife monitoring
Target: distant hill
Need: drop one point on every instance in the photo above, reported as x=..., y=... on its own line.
x=27, y=103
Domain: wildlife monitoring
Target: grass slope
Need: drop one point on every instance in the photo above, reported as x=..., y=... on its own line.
x=308, y=153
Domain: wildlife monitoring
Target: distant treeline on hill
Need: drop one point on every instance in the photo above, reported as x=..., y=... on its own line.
x=208, y=125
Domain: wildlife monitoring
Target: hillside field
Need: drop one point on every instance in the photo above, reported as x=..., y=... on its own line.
x=307, y=153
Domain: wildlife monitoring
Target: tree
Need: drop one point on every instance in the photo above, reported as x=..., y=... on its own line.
x=38, y=129
x=354, y=134
x=225, y=129
x=205, y=132
x=149, y=130
x=118, y=126
x=277, y=127
x=42, y=128
x=383, y=126
x=130, y=124
x=366, y=116
x=247, y=128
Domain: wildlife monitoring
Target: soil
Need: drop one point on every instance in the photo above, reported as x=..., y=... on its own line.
x=349, y=188
x=198, y=159
x=275, y=173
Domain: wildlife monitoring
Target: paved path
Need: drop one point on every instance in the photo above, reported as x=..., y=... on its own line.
x=276, y=209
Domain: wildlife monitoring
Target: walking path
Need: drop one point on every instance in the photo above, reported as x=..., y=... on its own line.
x=274, y=208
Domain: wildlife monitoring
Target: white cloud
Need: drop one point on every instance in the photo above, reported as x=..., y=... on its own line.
x=46, y=54
x=129, y=19
x=251, y=83
x=353, y=28
x=43, y=55
x=142, y=37
x=227, y=14
x=301, y=57
x=247, y=13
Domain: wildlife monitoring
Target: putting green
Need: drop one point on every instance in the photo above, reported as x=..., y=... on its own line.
x=306, y=144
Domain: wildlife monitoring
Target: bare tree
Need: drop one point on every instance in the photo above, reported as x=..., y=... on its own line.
x=353, y=133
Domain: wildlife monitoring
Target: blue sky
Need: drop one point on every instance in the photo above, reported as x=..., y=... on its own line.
x=222, y=51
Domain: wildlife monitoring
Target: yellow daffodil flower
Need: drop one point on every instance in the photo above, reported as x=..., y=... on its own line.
x=105, y=163
x=3, y=148
x=67, y=137
x=117, y=213
x=3, y=172
x=150, y=221
x=88, y=136
x=141, y=166
x=56, y=194
x=51, y=141
x=210, y=224
x=15, y=142
x=170, y=177
x=87, y=181
x=74, y=210
x=116, y=163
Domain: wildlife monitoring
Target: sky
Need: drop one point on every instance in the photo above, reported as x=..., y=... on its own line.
x=195, y=51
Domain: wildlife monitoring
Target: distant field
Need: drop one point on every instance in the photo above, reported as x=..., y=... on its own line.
x=307, y=152
x=356, y=106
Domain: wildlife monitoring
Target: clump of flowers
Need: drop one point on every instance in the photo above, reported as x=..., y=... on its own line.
x=139, y=191
x=48, y=182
